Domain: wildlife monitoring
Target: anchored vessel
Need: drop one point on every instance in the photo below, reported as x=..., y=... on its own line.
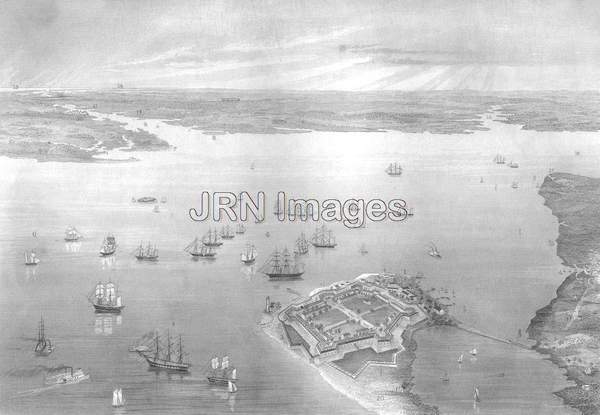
x=148, y=254
x=513, y=165
x=227, y=233
x=248, y=255
x=106, y=299
x=282, y=265
x=323, y=238
x=162, y=357
x=31, y=258
x=433, y=251
x=212, y=238
x=301, y=245
x=67, y=376
x=72, y=235
x=515, y=184
x=363, y=249
x=43, y=346
x=109, y=246
x=240, y=228
x=499, y=159
x=394, y=169
x=221, y=372
x=199, y=250
x=147, y=199
x=117, y=400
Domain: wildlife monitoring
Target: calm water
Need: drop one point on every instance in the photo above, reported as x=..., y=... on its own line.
x=500, y=275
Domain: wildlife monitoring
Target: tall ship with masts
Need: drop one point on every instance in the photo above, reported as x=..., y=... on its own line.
x=31, y=258
x=248, y=255
x=43, y=346
x=212, y=238
x=109, y=245
x=221, y=372
x=302, y=245
x=499, y=159
x=282, y=265
x=105, y=298
x=198, y=250
x=323, y=238
x=169, y=356
x=150, y=253
x=72, y=235
x=394, y=169
x=227, y=232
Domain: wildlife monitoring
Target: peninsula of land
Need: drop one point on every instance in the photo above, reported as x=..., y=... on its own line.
x=568, y=329
x=353, y=331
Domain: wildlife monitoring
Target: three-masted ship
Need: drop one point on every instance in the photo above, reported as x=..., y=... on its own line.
x=43, y=346
x=323, y=238
x=394, y=169
x=72, y=235
x=222, y=372
x=248, y=255
x=117, y=400
x=227, y=232
x=240, y=229
x=198, y=250
x=31, y=258
x=282, y=265
x=162, y=356
x=150, y=253
x=212, y=238
x=109, y=245
x=499, y=159
x=106, y=299
x=302, y=245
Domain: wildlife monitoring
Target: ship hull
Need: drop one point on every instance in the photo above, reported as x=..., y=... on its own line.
x=99, y=308
x=248, y=261
x=324, y=245
x=202, y=256
x=215, y=380
x=285, y=276
x=227, y=236
x=212, y=244
x=107, y=253
x=166, y=365
x=145, y=258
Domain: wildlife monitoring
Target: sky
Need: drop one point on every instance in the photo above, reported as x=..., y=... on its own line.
x=303, y=45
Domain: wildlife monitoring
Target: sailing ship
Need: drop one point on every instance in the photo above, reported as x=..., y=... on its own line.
x=231, y=388
x=148, y=254
x=117, y=400
x=499, y=159
x=106, y=299
x=515, y=184
x=394, y=169
x=227, y=233
x=162, y=357
x=31, y=258
x=445, y=377
x=301, y=245
x=240, y=229
x=248, y=255
x=433, y=251
x=198, y=249
x=282, y=265
x=156, y=208
x=163, y=199
x=109, y=245
x=363, y=249
x=473, y=351
x=513, y=165
x=43, y=346
x=212, y=238
x=72, y=235
x=67, y=376
x=411, y=212
x=476, y=397
x=322, y=238
x=460, y=358
x=221, y=372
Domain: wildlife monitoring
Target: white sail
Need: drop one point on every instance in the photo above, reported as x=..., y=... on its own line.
x=115, y=400
x=225, y=362
x=99, y=290
x=120, y=396
x=234, y=374
x=110, y=291
x=215, y=362
x=231, y=387
x=119, y=303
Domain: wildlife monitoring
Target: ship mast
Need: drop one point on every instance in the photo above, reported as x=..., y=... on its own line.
x=168, y=346
x=180, y=358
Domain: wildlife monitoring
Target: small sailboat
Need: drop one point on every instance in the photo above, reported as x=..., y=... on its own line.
x=481, y=180
x=445, y=377
x=156, y=208
x=473, y=351
x=433, y=251
x=394, y=169
x=118, y=400
x=252, y=166
x=31, y=258
x=248, y=255
x=460, y=358
x=363, y=249
x=227, y=232
x=72, y=235
x=240, y=229
x=499, y=159
x=109, y=245
x=163, y=199
x=513, y=165
x=515, y=184
x=476, y=397
x=212, y=238
x=43, y=346
x=221, y=372
x=231, y=388
x=148, y=254
x=411, y=212
x=198, y=250
x=301, y=245
x=267, y=234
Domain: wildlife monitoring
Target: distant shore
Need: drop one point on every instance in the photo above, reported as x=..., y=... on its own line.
x=568, y=329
